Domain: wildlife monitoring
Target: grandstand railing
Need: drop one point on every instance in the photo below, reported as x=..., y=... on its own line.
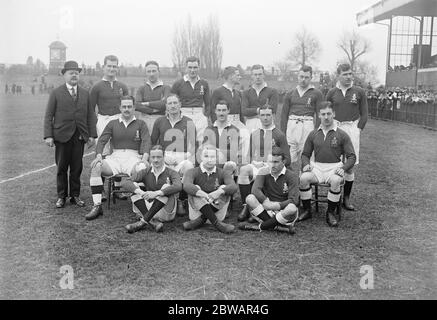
x=420, y=113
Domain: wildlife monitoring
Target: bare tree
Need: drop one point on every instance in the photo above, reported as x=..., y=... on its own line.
x=203, y=41
x=354, y=46
x=306, y=48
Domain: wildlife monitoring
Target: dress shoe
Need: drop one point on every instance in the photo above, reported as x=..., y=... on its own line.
x=304, y=215
x=77, y=201
x=194, y=224
x=244, y=214
x=95, y=212
x=60, y=203
x=331, y=219
x=224, y=227
x=289, y=229
x=180, y=209
x=347, y=205
x=104, y=196
x=248, y=227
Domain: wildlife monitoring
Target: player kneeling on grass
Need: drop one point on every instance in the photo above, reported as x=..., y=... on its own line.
x=274, y=197
x=158, y=201
x=329, y=143
x=209, y=188
x=131, y=141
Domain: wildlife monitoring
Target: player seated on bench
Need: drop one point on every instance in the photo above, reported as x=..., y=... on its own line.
x=261, y=143
x=209, y=189
x=131, y=142
x=275, y=196
x=158, y=202
x=329, y=143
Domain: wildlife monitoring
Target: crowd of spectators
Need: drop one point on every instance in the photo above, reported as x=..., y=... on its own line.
x=395, y=96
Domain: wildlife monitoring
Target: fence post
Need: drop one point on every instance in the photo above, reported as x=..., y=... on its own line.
x=434, y=120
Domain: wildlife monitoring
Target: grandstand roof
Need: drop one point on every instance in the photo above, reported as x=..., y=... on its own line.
x=385, y=9
x=57, y=45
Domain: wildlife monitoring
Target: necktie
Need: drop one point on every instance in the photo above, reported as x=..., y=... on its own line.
x=73, y=94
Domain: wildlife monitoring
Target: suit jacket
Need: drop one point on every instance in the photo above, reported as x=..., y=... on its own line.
x=63, y=115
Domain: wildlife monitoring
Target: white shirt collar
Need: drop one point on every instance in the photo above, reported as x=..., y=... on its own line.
x=339, y=86
x=186, y=78
x=280, y=173
x=302, y=91
x=228, y=124
x=333, y=128
x=203, y=169
x=70, y=86
x=153, y=86
x=264, y=85
x=157, y=173
x=120, y=118
x=226, y=86
x=103, y=78
x=269, y=129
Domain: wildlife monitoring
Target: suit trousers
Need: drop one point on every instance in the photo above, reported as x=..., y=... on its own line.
x=68, y=155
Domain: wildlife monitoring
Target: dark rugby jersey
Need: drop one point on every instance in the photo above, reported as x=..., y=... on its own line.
x=329, y=149
x=107, y=98
x=284, y=190
x=229, y=141
x=156, y=98
x=232, y=98
x=192, y=98
x=251, y=101
x=351, y=107
x=267, y=139
x=135, y=136
x=186, y=127
x=208, y=183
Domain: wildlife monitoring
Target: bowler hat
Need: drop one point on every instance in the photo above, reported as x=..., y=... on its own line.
x=71, y=65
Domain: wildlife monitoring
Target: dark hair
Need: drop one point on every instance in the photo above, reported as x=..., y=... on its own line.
x=343, y=67
x=111, y=57
x=192, y=59
x=276, y=152
x=306, y=69
x=128, y=98
x=173, y=95
x=256, y=67
x=228, y=71
x=157, y=147
x=266, y=107
x=324, y=105
x=222, y=102
x=152, y=62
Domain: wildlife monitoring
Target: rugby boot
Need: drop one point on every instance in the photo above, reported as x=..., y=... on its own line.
x=157, y=226
x=347, y=205
x=194, y=224
x=286, y=229
x=251, y=219
x=305, y=215
x=331, y=219
x=244, y=214
x=77, y=201
x=136, y=226
x=60, y=203
x=95, y=212
x=121, y=195
x=224, y=227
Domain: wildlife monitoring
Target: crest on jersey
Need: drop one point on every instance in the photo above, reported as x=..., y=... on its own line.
x=334, y=142
x=354, y=98
x=273, y=142
x=167, y=181
x=120, y=91
x=285, y=189
x=202, y=91
x=137, y=135
x=309, y=102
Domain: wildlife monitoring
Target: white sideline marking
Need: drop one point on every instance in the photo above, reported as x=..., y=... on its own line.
x=35, y=171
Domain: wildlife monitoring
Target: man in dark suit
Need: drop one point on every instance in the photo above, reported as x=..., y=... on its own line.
x=69, y=123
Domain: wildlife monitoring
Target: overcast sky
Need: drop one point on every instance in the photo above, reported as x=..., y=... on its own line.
x=252, y=31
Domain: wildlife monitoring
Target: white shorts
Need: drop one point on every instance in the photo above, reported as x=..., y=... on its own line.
x=166, y=214
x=123, y=160
x=253, y=124
x=178, y=161
x=102, y=121
x=149, y=119
x=351, y=128
x=199, y=119
x=298, y=129
x=324, y=171
x=196, y=203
